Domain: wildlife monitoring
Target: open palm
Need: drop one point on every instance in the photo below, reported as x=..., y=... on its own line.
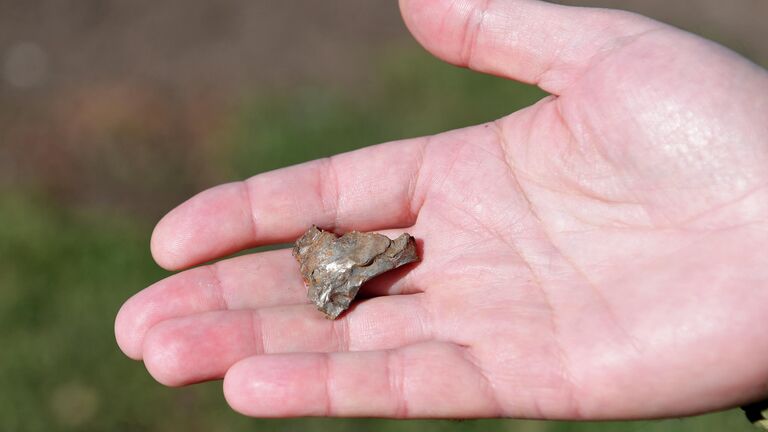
x=601, y=254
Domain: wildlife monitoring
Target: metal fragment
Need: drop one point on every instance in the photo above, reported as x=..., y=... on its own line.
x=334, y=267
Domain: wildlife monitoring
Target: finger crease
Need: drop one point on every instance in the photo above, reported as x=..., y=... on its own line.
x=328, y=191
x=416, y=199
x=328, y=398
x=251, y=209
x=259, y=343
x=396, y=375
x=424, y=317
x=472, y=29
x=219, y=288
x=340, y=329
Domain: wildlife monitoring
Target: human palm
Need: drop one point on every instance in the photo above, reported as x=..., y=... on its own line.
x=597, y=255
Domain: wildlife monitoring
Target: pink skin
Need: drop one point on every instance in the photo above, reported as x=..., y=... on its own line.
x=601, y=254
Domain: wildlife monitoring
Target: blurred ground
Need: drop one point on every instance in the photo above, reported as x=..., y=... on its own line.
x=112, y=111
x=96, y=90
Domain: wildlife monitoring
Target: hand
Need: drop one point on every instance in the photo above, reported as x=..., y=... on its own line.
x=601, y=254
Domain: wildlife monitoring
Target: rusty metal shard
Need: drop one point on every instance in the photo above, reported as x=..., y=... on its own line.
x=334, y=267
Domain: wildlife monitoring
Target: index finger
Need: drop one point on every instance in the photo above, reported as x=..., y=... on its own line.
x=367, y=189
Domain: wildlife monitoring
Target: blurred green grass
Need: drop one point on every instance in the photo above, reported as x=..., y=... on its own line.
x=411, y=94
x=65, y=269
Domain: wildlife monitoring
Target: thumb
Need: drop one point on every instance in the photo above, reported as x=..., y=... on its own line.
x=531, y=41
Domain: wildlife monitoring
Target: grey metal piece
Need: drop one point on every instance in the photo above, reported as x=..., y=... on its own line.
x=334, y=267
